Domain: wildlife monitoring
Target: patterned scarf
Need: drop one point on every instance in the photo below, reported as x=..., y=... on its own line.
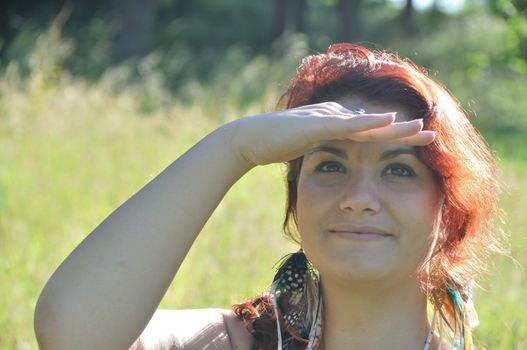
x=297, y=302
x=298, y=307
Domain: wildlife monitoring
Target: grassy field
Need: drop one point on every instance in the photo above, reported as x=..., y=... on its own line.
x=70, y=153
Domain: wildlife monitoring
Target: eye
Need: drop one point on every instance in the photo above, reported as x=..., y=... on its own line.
x=330, y=167
x=399, y=170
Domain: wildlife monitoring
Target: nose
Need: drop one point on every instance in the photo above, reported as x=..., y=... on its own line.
x=360, y=196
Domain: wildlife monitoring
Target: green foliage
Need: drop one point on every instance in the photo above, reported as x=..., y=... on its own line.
x=35, y=52
x=72, y=153
x=72, y=149
x=473, y=57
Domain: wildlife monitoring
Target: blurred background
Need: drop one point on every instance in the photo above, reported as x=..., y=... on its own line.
x=97, y=97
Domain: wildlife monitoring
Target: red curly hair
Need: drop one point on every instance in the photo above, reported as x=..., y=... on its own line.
x=459, y=157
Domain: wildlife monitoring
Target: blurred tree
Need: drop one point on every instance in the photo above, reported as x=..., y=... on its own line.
x=181, y=8
x=135, y=22
x=515, y=12
x=14, y=15
x=350, y=23
x=289, y=18
x=407, y=20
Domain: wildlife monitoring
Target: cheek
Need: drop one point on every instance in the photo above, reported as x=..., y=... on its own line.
x=430, y=209
x=310, y=209
x=306, y=196
x=313, y=201
x=418, y=222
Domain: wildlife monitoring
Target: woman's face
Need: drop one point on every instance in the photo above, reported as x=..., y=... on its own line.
x=366, y=210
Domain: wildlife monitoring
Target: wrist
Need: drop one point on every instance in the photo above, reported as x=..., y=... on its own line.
x=235, y=149
x=229, y=135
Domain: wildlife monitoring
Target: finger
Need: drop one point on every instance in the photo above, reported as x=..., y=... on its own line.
x=389, y=132
x=344, y=110
x=422, y=138
x=331, y=109
x=326, y=108
x=363, y=122
x=337, y=127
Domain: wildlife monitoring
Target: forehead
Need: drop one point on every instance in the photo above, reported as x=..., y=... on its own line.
x=370, y=106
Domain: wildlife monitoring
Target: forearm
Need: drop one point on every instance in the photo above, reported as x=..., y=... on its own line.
x=107, y=289
x=104, y=293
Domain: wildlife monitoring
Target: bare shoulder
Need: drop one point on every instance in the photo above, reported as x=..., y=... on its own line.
x=194, y=329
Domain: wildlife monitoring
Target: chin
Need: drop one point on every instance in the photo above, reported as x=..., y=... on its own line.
x=363, y=273
x=357, y=268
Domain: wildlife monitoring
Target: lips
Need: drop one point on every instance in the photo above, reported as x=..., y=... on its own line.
x=359, y=232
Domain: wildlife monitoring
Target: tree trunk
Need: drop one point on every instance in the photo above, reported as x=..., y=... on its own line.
x=349, y=12
x=407, y=20
x=135, y=21
x=289, y=18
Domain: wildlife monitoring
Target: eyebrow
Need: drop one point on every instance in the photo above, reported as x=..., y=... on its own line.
x=392, y=153
x=335, y=151
x=389, y=154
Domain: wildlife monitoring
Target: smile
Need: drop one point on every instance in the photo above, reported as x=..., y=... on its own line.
x=363, y=233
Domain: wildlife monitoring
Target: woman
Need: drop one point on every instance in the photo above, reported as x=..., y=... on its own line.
x=390, y=194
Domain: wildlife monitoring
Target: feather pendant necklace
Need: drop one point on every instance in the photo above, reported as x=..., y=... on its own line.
x=297, y=304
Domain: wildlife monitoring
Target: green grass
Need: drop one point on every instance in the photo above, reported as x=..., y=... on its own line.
x=71, y=153
x=502, y=301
